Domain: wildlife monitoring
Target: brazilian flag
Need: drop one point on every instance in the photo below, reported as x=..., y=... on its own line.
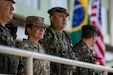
x=80, y=18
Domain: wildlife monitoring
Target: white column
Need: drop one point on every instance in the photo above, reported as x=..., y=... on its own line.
x=111, y=20
x=29, y=66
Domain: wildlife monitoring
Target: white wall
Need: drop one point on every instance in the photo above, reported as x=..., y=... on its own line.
x=20, y=33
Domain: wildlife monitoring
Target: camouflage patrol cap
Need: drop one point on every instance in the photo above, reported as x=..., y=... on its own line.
x=57, y=9
x=34, y=20
x=91, y=27
x=11, y=1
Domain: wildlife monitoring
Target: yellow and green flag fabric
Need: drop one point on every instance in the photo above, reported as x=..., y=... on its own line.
x=80, y=18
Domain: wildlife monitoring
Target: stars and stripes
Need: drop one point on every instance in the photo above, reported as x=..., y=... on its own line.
x=99, y=46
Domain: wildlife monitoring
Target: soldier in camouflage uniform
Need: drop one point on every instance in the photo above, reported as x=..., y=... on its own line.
x=82, y=48
x=8, y=63
x=57, y=42
x=35, y=29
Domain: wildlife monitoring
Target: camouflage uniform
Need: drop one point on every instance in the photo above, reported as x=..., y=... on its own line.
x=40, y=67
x=58, y=44
x=83, y=53
x=8, y=63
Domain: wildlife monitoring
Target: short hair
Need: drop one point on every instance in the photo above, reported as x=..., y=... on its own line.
x=89, y=31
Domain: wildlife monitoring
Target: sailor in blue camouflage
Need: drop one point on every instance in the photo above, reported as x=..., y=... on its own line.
x=82, y=49
x=35, y=29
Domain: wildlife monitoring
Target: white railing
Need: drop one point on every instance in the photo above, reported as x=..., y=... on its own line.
x=30, y=55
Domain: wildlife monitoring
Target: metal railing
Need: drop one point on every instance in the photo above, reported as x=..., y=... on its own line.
x=30, y=55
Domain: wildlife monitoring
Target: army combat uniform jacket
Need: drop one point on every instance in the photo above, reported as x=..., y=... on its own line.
x=40, y=67
x=83, y=53
x=8, y=63
x=58, y=44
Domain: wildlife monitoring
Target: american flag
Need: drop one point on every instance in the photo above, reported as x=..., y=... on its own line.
x=99, y=46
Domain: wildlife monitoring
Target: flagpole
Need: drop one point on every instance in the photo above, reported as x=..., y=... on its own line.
x=71, y=9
